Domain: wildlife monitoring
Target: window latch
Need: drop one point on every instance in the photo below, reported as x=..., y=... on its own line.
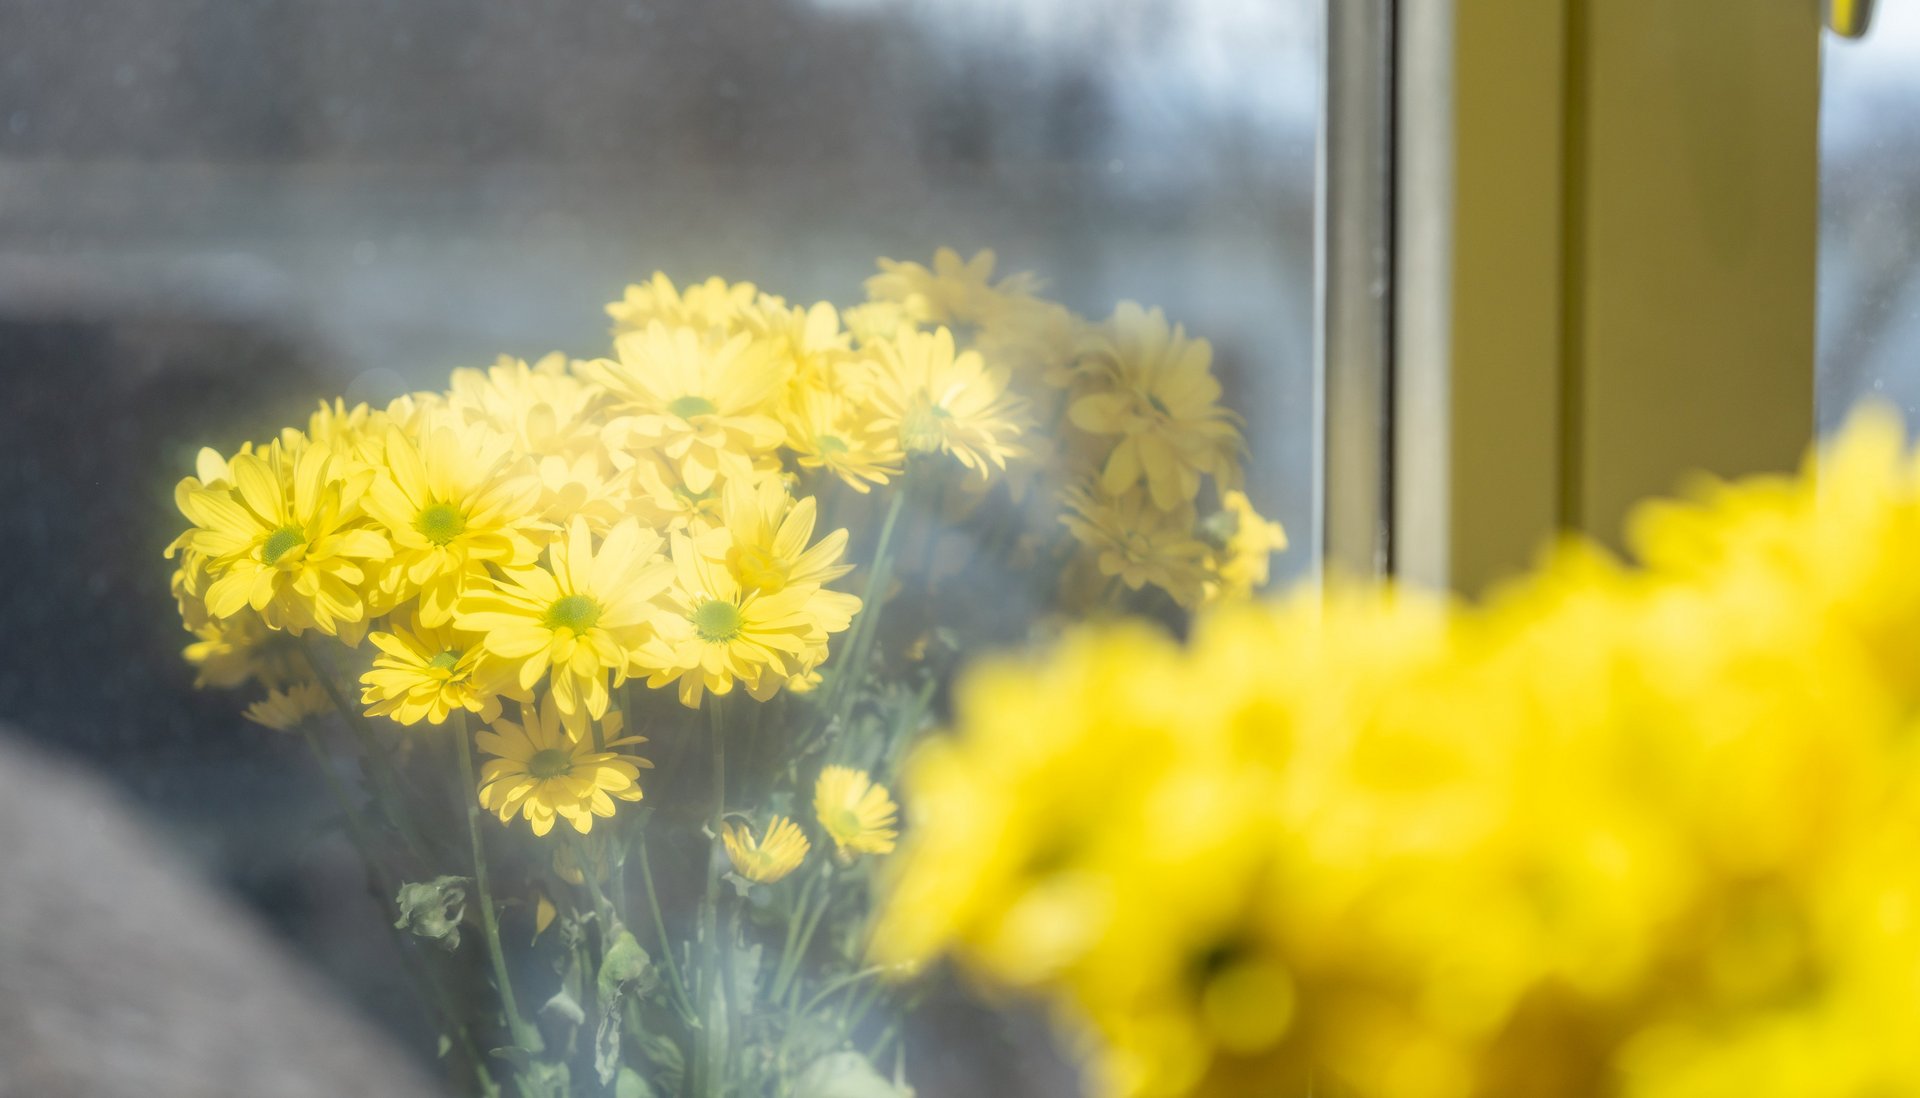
x=1849, y=18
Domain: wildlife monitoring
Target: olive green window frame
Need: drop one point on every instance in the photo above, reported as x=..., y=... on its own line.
x=1593, y=229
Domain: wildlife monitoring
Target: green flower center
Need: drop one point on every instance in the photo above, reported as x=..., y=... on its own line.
x=440, y=523
x=920, y=431
x=687, y=407
x=717, y=621
x=445, y=661
x=1158, y=405
x=550, y=762
x=832, y=444
x=575, y=612
x=280, y=541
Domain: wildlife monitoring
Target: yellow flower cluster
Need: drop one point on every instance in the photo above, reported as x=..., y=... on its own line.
x=1137, y=455
x=542, y=533
x=1640, y=832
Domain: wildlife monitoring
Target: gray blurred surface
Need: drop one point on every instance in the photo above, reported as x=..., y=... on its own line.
x=122, y=975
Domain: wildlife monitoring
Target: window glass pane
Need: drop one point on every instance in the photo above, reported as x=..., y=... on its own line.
x=215, y=215
x=1870, y=217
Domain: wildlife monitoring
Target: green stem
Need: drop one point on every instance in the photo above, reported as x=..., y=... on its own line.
x=859, y=643
x=789, y=955
x=523, y=1035
x=379, y=767
x=806, y=934
x=384, y=881
x=679, y=985
x=715, y=1035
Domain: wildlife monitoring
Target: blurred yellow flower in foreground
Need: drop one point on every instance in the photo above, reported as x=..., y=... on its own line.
x=1633, y=833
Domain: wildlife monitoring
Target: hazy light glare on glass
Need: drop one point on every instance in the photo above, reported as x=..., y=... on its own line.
x=1870, y=218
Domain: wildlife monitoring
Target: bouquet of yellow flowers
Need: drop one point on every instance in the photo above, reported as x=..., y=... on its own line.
x=1622, y=832
x=628, y=648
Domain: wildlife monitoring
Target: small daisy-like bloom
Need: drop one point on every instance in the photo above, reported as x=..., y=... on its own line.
x=541, y=409
x=1244, y=545
x=711, y=306
x=858, y=814
x=286, y=540
x=286, y=710
x=716, y=633
x=581, y=616
x=541, y=771
x=832, y=431
x=1155, y=389
x=937, y=401
x=1139, y=543
x=769, y=858
x=450, y=507
x=424, y=672
x=763, y=539
x=659, y=496
x=708, y=408
x=876, y=321
x=953, y=291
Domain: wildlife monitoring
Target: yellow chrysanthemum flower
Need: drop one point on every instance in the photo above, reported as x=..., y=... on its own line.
x=709, y=408
x=953, y=291
x=541, y=770
x=716, y=633
x=582, y=616
x=845, y=436
x=1155, y=389
x=857, y=813
x=769, y=858
x=1243, y=550
x=286, y=710
x=286, y=540
x=425, y=672
x=1132, y=539
x=713, y=306
x=659, y=496
x=541, y=409
x=939, y=402
x=763, y=539
x=451, y=507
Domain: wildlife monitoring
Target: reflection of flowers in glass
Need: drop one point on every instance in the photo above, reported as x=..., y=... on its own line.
x=1138, y=543
x=1155, y=389
x=772, y=856
x=857, y=814
x=541, y=771
x=286, y=710
x=952, y=291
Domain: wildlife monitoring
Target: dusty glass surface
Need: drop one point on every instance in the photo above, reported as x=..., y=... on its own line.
x=214, y=214
x=1870, y=217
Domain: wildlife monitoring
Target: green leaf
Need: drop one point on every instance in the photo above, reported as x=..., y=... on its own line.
x=445, y=1046
x=629, y=1084
x=433, y=910
x=843, y=1075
